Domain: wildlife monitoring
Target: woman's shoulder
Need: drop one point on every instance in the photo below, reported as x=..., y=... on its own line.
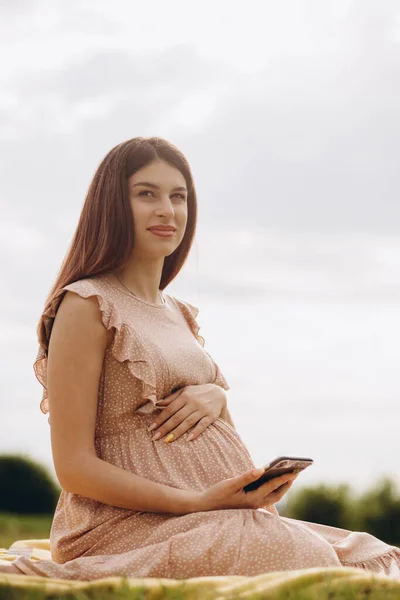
x=89, y=286
x=85, y=287
x=186, y=307
x=93, y=286
x=99, y=288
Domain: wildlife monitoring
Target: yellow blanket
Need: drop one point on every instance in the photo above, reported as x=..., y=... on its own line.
x=320, y=583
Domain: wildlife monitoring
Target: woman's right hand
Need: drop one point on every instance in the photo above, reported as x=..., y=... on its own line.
x=229, y=493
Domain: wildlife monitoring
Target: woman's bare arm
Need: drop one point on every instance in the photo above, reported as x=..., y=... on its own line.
x=75, y=358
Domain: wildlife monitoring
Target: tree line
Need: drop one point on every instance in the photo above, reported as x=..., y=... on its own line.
x=27, y=488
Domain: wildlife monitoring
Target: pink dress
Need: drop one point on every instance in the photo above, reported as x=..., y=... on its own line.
x=155, y=349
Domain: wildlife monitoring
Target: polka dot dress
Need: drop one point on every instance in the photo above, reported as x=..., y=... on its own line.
x=155, y=349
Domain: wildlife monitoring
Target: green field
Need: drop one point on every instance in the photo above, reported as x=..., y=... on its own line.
x=19, y=527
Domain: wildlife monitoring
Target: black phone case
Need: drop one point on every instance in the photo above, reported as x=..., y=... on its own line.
x=279, y=466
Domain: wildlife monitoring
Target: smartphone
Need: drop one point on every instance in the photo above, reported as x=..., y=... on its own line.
x=279, y=466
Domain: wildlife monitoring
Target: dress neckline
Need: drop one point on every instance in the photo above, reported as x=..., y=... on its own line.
x=127, y=292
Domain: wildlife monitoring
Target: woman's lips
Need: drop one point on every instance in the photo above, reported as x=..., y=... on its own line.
x=161, y=233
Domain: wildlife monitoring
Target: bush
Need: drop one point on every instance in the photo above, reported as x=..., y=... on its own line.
x=379, y=510
x=27, y=487
x=328, y=505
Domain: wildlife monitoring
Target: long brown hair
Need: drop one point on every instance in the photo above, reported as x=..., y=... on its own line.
x=104, y=238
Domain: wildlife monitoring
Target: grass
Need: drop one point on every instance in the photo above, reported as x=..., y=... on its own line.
x=23, y=527
x=319, y=587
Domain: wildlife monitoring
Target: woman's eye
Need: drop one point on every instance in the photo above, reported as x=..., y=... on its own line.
x=149, y=192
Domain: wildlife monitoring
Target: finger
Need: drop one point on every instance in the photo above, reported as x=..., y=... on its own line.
x=168, y=399
x=275, y=484
x=167, y=413
x=272, y=497
x=200, y=427
x=268, y=487
x=240, y=481
x=277, y=494
x=185, y=425
x=172, y=423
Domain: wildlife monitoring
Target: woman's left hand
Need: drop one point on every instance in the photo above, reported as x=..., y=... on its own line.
x=198, y=405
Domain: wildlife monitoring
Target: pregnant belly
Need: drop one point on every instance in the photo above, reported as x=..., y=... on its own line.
x=218, y=453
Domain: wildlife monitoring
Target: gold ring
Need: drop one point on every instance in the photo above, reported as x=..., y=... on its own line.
x=169, y=438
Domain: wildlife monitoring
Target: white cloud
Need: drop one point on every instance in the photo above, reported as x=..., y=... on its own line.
x=289, y=116
x=19, y=238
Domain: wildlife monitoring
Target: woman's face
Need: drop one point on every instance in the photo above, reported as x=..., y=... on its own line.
x=158, y=204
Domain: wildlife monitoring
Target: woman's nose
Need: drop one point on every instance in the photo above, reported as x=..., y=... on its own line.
x=166, y=206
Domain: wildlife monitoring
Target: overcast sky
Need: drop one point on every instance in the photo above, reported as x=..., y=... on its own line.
x=289, y=115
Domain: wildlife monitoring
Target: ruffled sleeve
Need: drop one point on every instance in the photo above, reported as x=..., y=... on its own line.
x=190, y=313
x=126, y=346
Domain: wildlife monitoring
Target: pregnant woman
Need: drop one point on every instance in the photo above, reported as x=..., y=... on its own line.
x=116, y=355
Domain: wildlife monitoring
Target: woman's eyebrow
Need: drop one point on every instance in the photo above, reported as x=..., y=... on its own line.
x=153, y=185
